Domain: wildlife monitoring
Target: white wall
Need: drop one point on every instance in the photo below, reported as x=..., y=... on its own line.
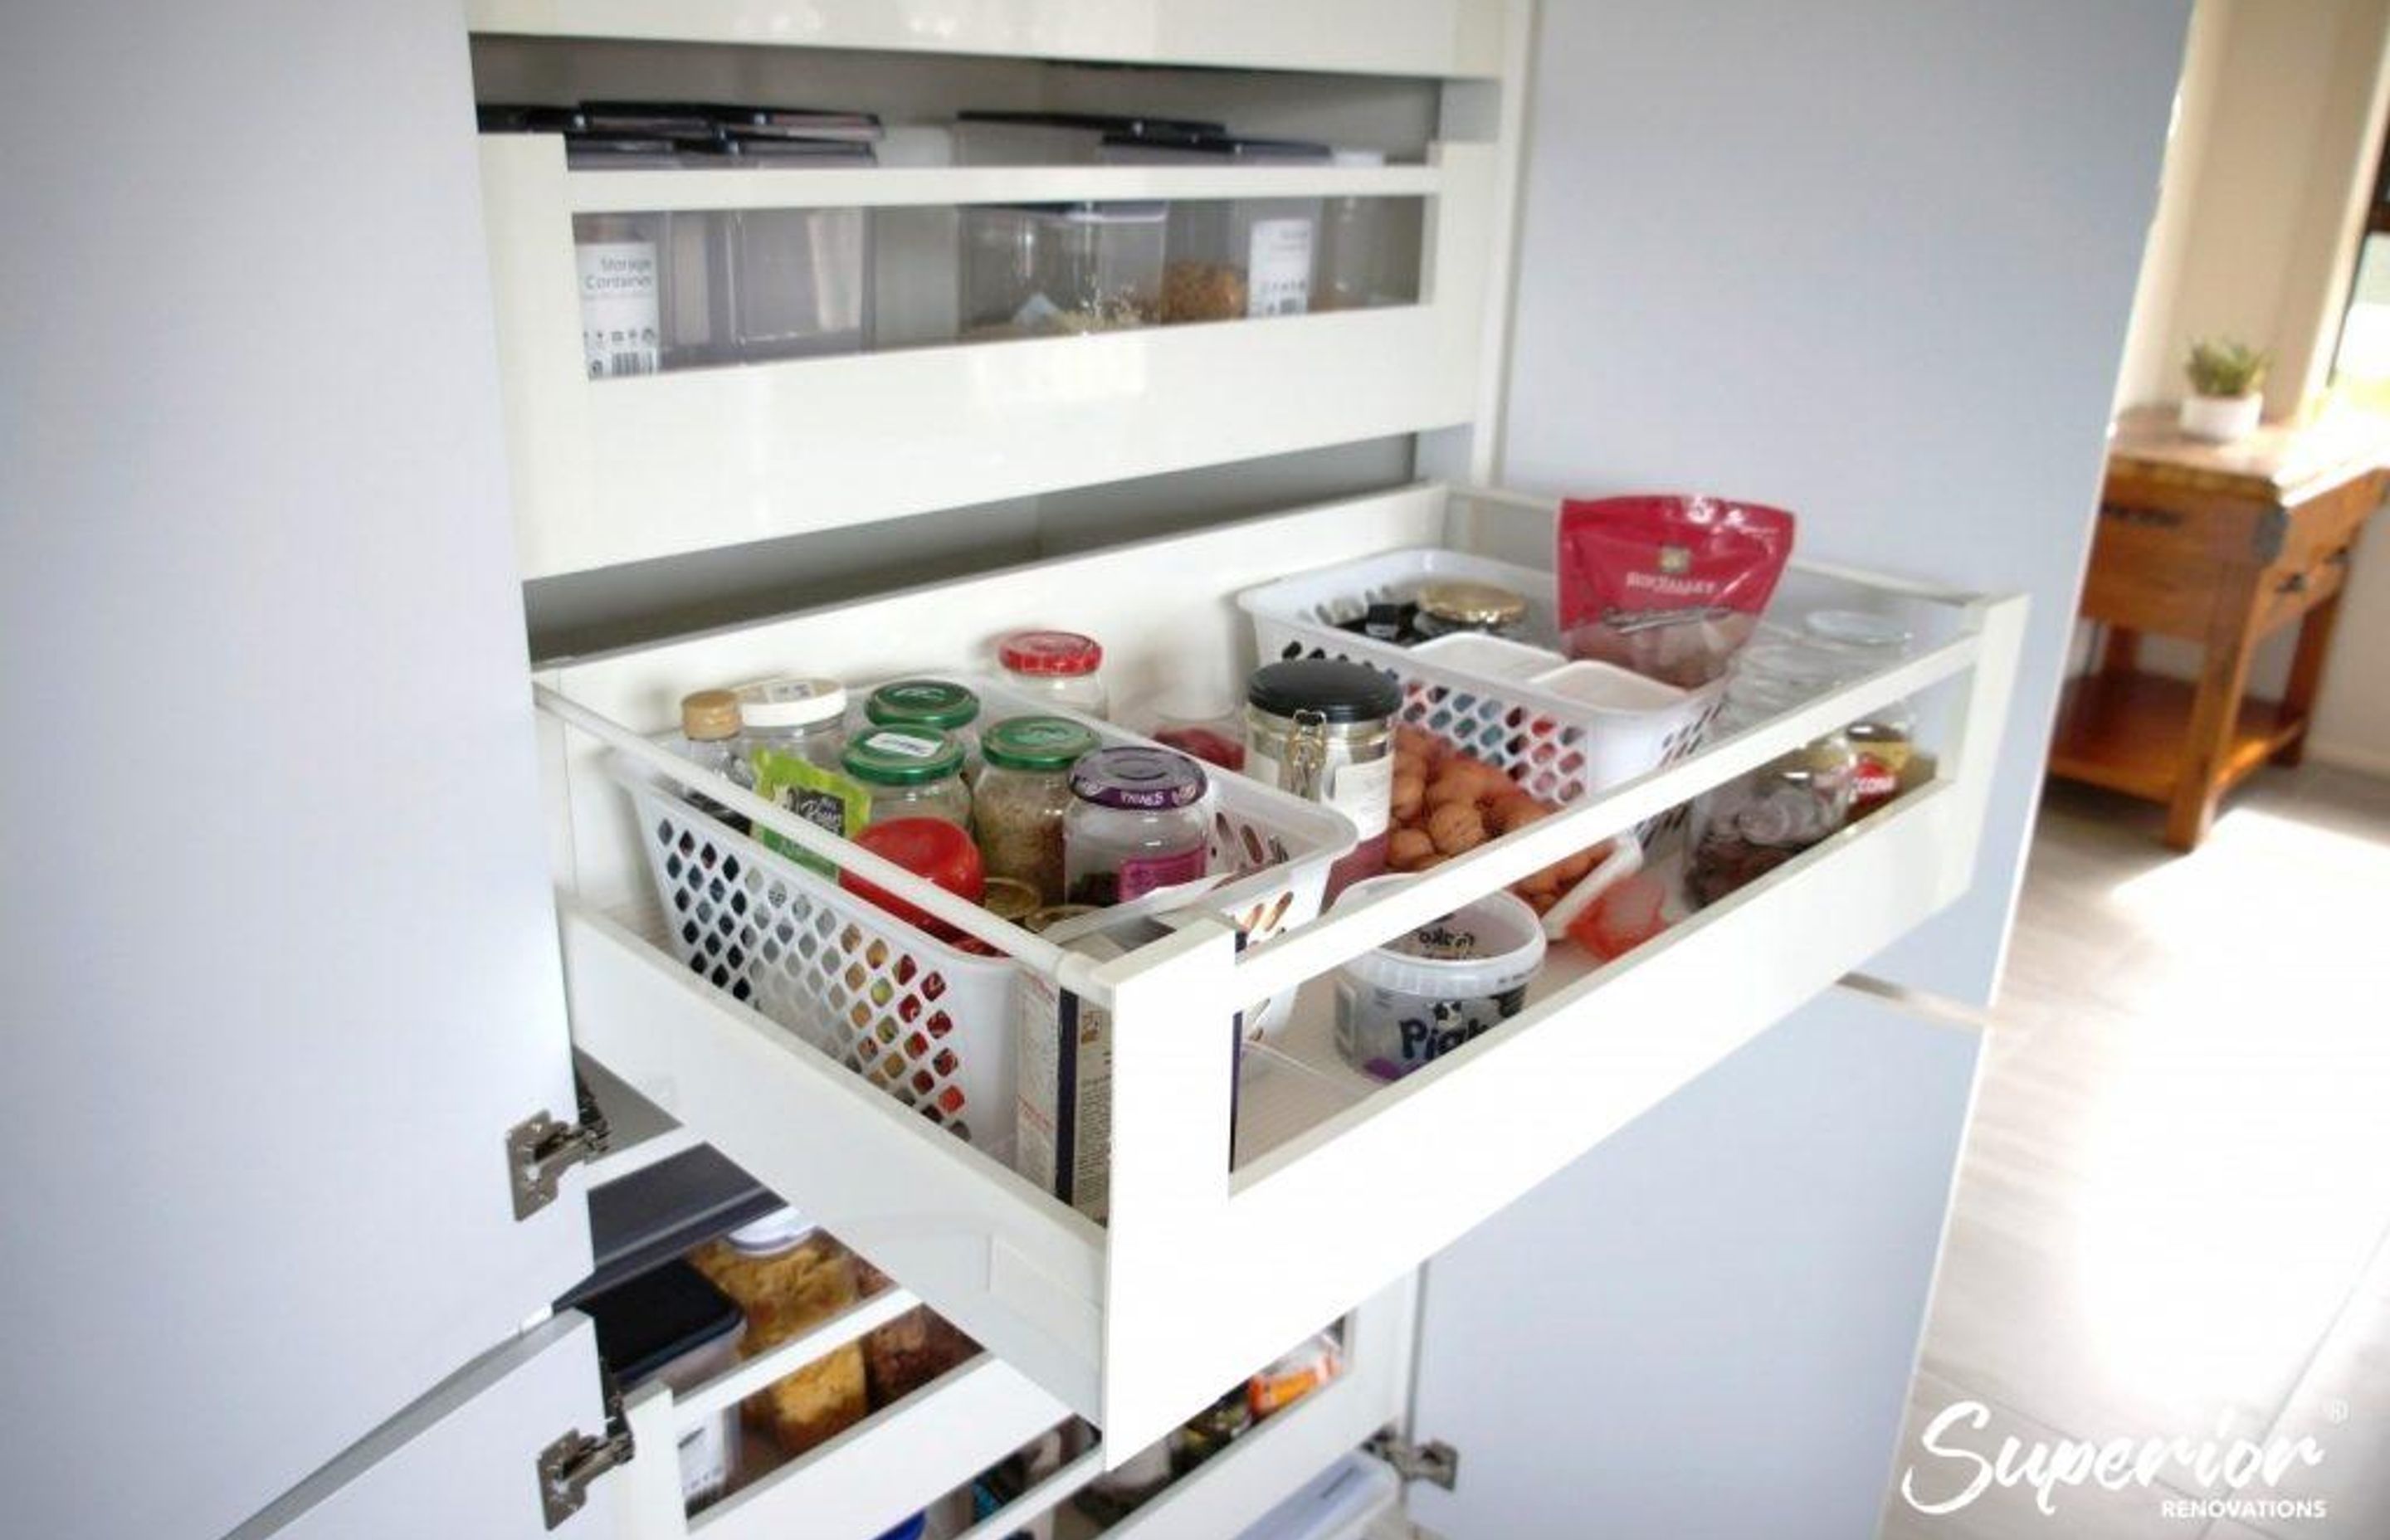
x=1868, y=259
x=2278, y=128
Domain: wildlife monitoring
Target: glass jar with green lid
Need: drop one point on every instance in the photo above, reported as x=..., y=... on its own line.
x=1022, y=795
x=910, y=772
x=938, y=704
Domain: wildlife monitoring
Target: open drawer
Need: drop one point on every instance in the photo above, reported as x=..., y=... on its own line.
x=1210, y=1265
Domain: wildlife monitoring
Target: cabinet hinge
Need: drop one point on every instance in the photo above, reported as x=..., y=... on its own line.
x=1434, y=1461
x=568, y=1466
x=540, y=1149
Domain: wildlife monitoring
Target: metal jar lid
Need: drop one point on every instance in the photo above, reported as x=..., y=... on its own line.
x=903, y=756
x=1472, y=603
x=1140, y=779
x=1336, y=690
x=709, y=716
x=922, y=703
x=1037, y=744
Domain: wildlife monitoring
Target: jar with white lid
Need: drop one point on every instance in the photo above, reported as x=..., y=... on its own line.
x=910, y=772
x=1885, y=739
x=792, y=732
x=1058, y=668
x=1135, y=823
x=1765, y=817
x=1323, y=729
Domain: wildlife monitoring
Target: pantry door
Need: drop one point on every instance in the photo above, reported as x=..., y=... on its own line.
x=464, y=1461
x=281, y=963
x=1706, y=1324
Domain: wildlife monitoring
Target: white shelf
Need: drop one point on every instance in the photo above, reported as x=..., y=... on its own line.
x=1435, y=38
x=1137, y=1326
x=619, y=471
x=591, y=192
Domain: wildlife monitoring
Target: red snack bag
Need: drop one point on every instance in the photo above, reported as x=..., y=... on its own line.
x=1668, y=586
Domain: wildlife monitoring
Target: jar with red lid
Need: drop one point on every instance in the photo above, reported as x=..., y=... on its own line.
x=933, y=849
x=1058, y=668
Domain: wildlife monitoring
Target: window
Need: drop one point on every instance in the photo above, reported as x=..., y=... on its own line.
x=2360, y=367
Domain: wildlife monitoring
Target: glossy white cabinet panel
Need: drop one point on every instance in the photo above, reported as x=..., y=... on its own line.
x=615, y=470
x=1390, y=37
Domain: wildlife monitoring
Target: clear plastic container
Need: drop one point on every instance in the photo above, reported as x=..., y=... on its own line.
x=788, y=1278
x=1022, y=797
x=793, y=735
x=1061, y=269
x=911, y=1351
x=1885, y=739
x=1135, y=823
x=1230, y=258
x=910, y=772
x=1369, y=247
x=1060, y=668
x=1057, y=138
x=1756, y=822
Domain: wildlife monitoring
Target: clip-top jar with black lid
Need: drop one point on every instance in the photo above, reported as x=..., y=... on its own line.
x=1324, y=729
x=1450, y=605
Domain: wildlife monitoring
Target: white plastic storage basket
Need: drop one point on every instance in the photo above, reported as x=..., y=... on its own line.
x=1558, y=748
x=928, y=1022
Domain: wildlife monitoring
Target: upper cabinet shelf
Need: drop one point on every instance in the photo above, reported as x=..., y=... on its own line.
x=1452, y=39
x=607, y=471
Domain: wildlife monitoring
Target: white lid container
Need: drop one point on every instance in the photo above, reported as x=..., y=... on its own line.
x=1426, y=993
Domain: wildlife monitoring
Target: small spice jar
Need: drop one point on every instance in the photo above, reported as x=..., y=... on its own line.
x=1765, y=817
x=1056, y=667
x=1885, y=739
x=1323, y=729
x=910, y=772
x=709, y=731
x=1023, y=795
x=936, y=704
x=1452, y=606
x=1135, y=823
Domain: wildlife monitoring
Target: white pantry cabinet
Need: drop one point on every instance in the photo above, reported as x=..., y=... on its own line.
x=268, y=1133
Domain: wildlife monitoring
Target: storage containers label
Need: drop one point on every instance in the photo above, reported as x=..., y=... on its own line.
x=1277, y=267
x=622, y=317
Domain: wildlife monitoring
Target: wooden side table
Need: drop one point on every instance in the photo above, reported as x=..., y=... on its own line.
x=2222, y=544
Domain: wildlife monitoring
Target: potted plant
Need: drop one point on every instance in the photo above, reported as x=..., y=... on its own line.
x=2225, y=376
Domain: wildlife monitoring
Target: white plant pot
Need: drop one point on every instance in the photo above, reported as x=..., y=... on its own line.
x=2222, y=419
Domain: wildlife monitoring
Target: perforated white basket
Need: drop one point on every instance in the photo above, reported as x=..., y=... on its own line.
x=1557, y=747
x=928, y=1022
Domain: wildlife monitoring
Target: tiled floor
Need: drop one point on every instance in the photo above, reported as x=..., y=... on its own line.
x=2173, y=1214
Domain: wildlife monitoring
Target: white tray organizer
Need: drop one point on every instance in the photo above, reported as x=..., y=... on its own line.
x=1558, y=748
x=926, y=1021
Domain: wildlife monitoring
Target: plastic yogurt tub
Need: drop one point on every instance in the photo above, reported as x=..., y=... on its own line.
x=1424, y=994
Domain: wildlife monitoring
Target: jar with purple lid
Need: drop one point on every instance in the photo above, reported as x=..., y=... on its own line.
x=1135, y=823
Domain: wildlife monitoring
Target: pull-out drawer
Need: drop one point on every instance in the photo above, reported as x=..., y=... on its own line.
x=1338, y=1184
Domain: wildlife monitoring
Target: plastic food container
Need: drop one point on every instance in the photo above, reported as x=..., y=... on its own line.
x=619, y=267
x=1233, y=258
x=1058, y=138
x=1369, y=247
x=671, y=1324
x=1423, y=994
x=1061, y=269
x=789, y=1278
x=1499, y=656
